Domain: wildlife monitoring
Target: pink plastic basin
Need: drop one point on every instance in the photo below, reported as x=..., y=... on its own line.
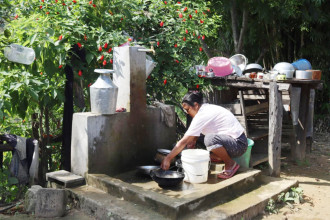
x=220, y=66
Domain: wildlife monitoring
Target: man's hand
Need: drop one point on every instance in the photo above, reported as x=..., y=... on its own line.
x=166, y=163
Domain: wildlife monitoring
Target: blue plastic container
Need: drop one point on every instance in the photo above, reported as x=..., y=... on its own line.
x=244, y=160
x=302, y=64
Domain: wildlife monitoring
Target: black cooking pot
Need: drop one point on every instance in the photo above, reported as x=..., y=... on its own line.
x=167, y=178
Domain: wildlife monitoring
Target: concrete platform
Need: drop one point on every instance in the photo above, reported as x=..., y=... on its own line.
x=65, y=178
x=244, y=195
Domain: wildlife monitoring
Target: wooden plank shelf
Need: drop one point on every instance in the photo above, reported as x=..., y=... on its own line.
x=258, y=134
x=258, y=159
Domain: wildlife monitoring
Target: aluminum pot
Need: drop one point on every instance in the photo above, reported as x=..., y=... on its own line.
x=161, y=154
x=252, y=67
x=303, y=74
x=167, y=178
x=145, y=170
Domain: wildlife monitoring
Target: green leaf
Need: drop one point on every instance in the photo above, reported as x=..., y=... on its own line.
x=15, y=86
x=33, y=94
x=50, y=31
x=33, y=39
x=89, y=57
x=12, y=180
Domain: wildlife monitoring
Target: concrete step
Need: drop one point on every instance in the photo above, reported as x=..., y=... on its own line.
x=65, y=179
x=101, y=205
x=177, y=202
x=248, y=205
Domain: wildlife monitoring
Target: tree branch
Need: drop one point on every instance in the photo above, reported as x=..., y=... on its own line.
x=243, y=30
x=233, y=14
x=206, y=49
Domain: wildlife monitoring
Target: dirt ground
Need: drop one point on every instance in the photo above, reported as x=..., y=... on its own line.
x=313, y=175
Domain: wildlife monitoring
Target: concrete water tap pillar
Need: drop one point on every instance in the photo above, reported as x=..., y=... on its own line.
x=129, y=65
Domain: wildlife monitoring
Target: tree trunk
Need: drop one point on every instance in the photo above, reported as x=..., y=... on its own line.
x=67, y=120
x=238, y=37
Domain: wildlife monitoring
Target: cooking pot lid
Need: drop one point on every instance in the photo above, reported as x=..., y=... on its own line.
x=163, y=151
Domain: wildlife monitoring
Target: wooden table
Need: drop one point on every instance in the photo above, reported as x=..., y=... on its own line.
x=299, y=91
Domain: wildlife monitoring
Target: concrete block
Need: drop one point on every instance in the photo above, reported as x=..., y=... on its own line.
x=112, y=144
x=31, y=198
x=50, y=203
x=65, y=178
x=129, y=65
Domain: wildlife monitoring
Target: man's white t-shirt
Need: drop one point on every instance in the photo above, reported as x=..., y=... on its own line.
x=214, y=119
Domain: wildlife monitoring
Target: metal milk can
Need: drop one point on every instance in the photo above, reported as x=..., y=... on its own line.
x=103, y=93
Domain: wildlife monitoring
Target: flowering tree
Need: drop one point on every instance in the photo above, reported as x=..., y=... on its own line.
x=79, y=36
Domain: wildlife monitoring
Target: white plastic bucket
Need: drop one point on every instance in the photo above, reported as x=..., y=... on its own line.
x=195, y=163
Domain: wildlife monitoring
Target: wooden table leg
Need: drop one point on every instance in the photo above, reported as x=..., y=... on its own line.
x=299, y=153
x=310, y=118
x=275, y=129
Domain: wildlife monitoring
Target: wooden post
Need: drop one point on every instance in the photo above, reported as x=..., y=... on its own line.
x=275, y=129
x=301, y=129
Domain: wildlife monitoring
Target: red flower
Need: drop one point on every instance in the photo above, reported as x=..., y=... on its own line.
x=85, y=37
x=179, y=2
x=47, y=13
x=203, y=37
x=177, y=61
x=196, y=11
x=121, y=19
x=199, y=37
x=157, y=43
x=184, y=19
x=201, y=21
x=208, y=10
x=203, y=13
x=41, y=73
x=197, y=86
x=100, y=48
x=63, y=3
x=42, y=1
x=89, y=84
x=180, y=15
x=175, y=45
x=104, y=62
x=111, y=61
x=110, y=49
x=40, y=6
x=94, y=5
x=184, y=38
x=80, y=73
x=161, y=23
x=194, y=34
x=200, y=49
x=56, y=1
x=79, y=45
x=105, y=45
x=90, y=2
x=60, y=66
x=165, y=2
x=102, y=57
x=185, y=9
x=74, y=1
x=190, y=16
x=16, y=16
x=129, y=39
x=60, y=37
x=186, y=31
x=165, y=81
